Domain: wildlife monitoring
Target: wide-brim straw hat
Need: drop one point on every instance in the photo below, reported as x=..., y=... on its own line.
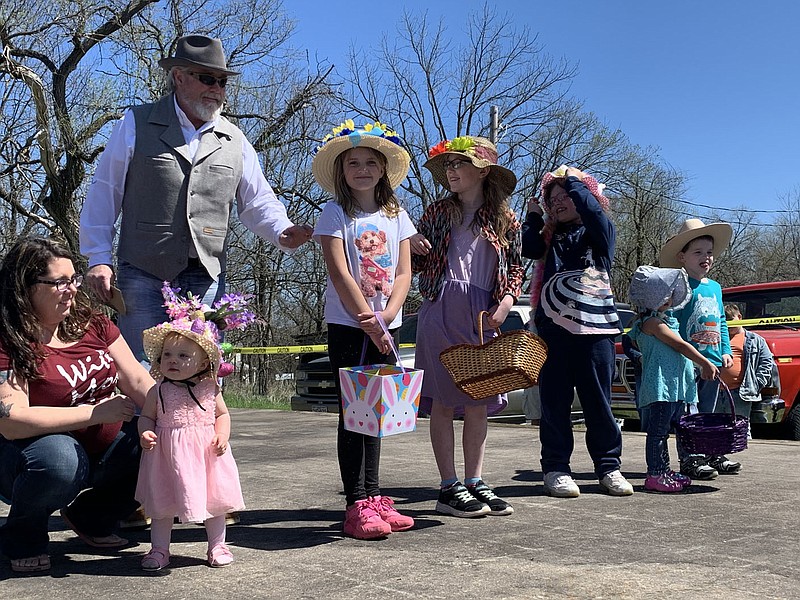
x=690, y=230
x=652, y=287
x=480, y=151
x=346, y=136
x=155, y=336
x=198, y=51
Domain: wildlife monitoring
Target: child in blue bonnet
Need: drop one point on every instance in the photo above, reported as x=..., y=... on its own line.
x=668, y=380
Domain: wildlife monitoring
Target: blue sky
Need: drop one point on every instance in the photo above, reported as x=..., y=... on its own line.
x=712, y=83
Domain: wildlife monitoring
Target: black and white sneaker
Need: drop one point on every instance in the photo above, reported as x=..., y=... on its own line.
x=697, y=468
x=724, y=465
x=483, y=493
x=456, y=500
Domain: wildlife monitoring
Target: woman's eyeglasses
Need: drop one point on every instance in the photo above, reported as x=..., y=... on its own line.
x=63, y=284
x=209, y=80
x=455, y=164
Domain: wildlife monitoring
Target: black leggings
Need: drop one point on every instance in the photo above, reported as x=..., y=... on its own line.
x=359, y=455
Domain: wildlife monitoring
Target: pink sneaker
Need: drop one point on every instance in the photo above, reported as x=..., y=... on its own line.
x=684, y=480
x=385, y=508
x=662, y=483
x=363, y=522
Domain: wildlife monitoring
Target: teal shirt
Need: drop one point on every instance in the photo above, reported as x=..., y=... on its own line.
x=702, y=320
x=667, y=375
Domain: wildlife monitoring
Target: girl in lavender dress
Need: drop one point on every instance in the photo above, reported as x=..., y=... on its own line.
x=468, y=256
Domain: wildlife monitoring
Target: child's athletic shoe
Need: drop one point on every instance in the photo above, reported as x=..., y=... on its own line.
x=724, y=465
x=457, y=501
x=363, y=522
x=483, y=493
x=155, y=560
x=680, y=478
x=615, y=484
x=384, y=506
x=560, y=485
x=696, y=468
x=662, y=483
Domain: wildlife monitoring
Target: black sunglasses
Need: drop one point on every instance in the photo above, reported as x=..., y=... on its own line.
x=209, y=80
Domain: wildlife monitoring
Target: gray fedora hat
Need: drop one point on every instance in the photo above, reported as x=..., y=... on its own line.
x=199, y=51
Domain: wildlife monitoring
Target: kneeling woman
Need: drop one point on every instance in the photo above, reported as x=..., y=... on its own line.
x=63, y=426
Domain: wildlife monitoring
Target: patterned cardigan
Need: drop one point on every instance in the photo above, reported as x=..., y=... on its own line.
x=431, y=267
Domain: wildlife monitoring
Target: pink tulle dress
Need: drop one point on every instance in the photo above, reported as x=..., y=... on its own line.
x=183, y=476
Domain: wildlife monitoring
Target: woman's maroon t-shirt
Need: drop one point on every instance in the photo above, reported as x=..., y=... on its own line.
x=83, y=373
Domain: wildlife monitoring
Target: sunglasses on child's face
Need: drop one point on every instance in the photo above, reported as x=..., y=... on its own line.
x=209, y=80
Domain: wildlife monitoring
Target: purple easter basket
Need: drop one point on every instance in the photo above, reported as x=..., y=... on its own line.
x=714, y=433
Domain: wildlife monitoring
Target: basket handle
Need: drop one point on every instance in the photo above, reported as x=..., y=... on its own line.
x=480, y=324
x=392, y=345
x=725, y=387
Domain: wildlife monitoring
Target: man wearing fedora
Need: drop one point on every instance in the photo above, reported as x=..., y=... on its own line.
x=173, y=170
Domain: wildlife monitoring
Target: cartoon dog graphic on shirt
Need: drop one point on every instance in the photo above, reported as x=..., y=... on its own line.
x=374, y=261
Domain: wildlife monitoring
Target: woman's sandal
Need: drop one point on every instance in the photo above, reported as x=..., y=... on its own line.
x=155, y=560
x=96, y=541
x=31, y=564
x=220, y=556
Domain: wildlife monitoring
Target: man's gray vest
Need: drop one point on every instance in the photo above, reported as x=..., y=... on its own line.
x=170, y=202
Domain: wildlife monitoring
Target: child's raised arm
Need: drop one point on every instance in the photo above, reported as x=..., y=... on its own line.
x=659, y=329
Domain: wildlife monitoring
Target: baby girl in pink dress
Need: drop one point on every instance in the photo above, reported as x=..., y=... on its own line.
x=187, y=469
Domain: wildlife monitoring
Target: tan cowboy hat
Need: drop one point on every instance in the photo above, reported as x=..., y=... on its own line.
x=690, y=230
x=480, y=151
x=346, y=136
x=198, y=51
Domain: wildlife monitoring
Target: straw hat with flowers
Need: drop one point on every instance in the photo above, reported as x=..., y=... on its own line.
x=479, y=151
x=377, y=136
x=198, y=322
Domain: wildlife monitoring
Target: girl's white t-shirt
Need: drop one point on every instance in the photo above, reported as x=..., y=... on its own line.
x=372, y=246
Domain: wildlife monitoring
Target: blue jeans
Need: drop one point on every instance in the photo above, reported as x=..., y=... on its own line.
x=145, y=303
x=585, y=363
x=707, y=391
x=42, y=474
x=658, y=419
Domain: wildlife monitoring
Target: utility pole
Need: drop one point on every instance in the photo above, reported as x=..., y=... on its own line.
x=493, y=124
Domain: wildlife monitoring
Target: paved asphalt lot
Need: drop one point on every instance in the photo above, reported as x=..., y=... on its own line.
x=731, y=538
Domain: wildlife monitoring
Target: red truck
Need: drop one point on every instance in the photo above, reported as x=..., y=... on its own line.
x=773, y=311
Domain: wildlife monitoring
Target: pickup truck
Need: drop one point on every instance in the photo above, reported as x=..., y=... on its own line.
x=773, y=311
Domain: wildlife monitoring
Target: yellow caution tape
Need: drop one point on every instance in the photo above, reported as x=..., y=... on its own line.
x=324, y=347
x=765, y=321
x=762, y=321
x=290, y=349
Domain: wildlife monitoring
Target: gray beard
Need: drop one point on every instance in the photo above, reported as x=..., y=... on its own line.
x=206, y=113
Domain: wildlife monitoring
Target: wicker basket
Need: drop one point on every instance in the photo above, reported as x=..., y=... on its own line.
x=714, y=433
x=510, y=361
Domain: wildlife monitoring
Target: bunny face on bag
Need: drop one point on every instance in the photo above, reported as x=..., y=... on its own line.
x=402, y=413
x=360, y=413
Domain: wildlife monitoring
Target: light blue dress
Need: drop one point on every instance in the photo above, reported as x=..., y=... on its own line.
x=667, y=375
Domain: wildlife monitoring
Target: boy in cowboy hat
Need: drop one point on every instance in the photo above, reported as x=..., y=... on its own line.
x=702, y=322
